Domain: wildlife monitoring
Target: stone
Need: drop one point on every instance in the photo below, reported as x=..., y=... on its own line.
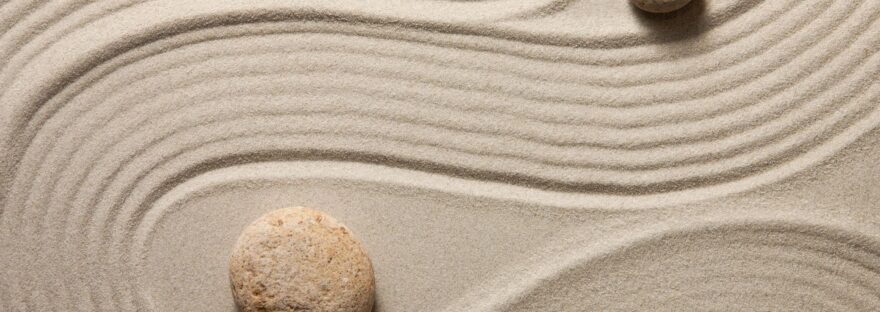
x=660, y=6
x=300, y=259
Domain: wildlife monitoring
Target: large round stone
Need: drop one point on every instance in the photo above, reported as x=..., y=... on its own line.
x=299, y=259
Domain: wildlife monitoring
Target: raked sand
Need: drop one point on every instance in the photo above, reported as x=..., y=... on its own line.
x=499, y=155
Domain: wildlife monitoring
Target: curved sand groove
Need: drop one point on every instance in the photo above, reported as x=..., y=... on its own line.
x=611, y=158
x=764, y=265
x=93, y=134
x=581, y=73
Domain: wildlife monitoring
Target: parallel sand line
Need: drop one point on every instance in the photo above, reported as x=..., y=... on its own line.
x=754, y=263
x=630, y=76
x=255, y=174
x=634, y=138
x=136, y=138
x=97, y=10
x=640, y=163
x=148, y=187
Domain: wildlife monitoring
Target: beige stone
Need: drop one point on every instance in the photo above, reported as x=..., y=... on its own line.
x=299, y=259
x=660, y=6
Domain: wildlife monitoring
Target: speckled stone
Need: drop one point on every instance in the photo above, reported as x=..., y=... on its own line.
x=660, y=6
x=299, y=259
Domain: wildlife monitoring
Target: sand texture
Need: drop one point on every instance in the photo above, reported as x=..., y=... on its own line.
x=498, y=155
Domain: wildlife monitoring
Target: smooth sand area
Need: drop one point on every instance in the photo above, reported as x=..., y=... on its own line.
x=503, y=155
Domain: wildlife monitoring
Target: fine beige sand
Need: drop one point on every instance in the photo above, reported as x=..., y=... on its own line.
x=498, y=155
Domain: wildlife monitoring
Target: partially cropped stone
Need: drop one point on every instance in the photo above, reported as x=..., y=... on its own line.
x=299, y=259
x=660, y=6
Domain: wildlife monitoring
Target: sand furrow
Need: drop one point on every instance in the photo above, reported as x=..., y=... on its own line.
x=743, y=264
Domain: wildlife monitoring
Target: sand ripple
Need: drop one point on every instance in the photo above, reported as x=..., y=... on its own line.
x=107, y=106
x=732, y=267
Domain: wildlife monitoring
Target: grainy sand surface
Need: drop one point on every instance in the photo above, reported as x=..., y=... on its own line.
x=504, y=155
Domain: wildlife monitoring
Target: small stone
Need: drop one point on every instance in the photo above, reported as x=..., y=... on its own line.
x=660, y=6
x=299, y=259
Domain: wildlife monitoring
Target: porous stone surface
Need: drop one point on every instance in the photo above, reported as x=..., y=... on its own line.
x=660, y=6
x=300, y=259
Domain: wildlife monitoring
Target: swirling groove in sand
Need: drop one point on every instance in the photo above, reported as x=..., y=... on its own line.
x=626, y=140
x=108, y=129
x=827, y=266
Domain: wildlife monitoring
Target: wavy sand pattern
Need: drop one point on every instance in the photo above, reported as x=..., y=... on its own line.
x=492, y=155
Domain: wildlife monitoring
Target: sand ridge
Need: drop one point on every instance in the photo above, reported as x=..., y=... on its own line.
x=109, y=107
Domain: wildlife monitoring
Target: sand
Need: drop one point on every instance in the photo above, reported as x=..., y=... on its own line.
x=505, y=155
